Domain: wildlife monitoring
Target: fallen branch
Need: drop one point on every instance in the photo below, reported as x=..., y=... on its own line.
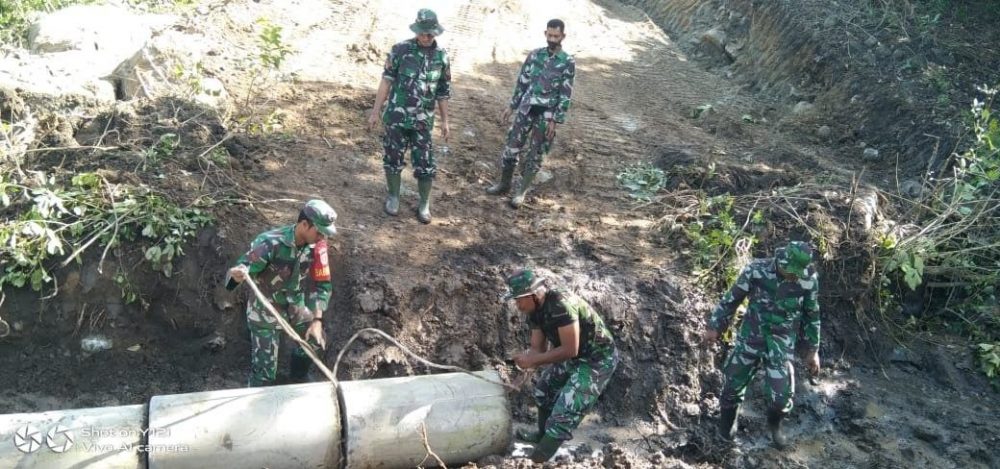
x=107, y=126
x=118, y=220
x=81, y=147
x=224, y=138
x=666, y=419
x=86, y=245
x=265, y=201
x=79, y=320
x=947, y=284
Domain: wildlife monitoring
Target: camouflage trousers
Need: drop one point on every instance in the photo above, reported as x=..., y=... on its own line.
x=397, y=140
x=265, y=340
x=570, y=389
x=745, y=360
x=530, y=128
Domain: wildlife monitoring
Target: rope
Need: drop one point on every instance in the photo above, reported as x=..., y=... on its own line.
x=407, y=351
x=291, y=332
x=331, y=375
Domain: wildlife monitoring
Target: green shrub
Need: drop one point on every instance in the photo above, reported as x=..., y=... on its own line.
x=989, y=359
x=949, y=243
x=642, y=181
x=714, y=238
x=54, y=217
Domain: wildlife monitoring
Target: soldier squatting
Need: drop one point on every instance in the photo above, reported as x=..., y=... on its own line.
x=568, y=337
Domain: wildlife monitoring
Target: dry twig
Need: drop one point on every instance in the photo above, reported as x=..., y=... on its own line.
x=79, y=320
x=427, y=447
x=4, y=327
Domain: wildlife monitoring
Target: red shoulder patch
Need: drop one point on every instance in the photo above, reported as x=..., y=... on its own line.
x=320, y=269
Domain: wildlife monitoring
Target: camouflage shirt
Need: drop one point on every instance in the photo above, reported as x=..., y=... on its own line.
x=546, y=81
x=788, y=310
x=561, y=310
x=420, y=76
x=281, y=269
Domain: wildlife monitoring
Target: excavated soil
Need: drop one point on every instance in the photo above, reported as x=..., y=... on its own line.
x=437, y=287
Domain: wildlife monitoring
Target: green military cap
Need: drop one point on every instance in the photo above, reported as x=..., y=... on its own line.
x=795, y=258
x=427, y=22
x=523, y=283
x=322, y=216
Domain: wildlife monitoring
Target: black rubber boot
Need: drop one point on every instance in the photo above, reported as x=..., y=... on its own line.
x=424, y=188
x=774, y=425
x=727, y=422
x=535, y=437
x=503, y=185
x=545, y=449
x=392, y=183
x=299, y=369
x=522, y=189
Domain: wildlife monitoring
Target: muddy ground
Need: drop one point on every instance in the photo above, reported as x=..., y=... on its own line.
x=436, y=288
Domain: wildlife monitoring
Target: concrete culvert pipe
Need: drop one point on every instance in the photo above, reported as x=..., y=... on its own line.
x=105, y=437
x=380, y=423
x=463, y=417
x=294, y=426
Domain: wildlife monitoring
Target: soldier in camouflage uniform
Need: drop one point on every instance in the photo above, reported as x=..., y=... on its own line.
x=282, y=261
x=541, y=100
x=783, y=313
x=583, y=358
x=417, y=75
